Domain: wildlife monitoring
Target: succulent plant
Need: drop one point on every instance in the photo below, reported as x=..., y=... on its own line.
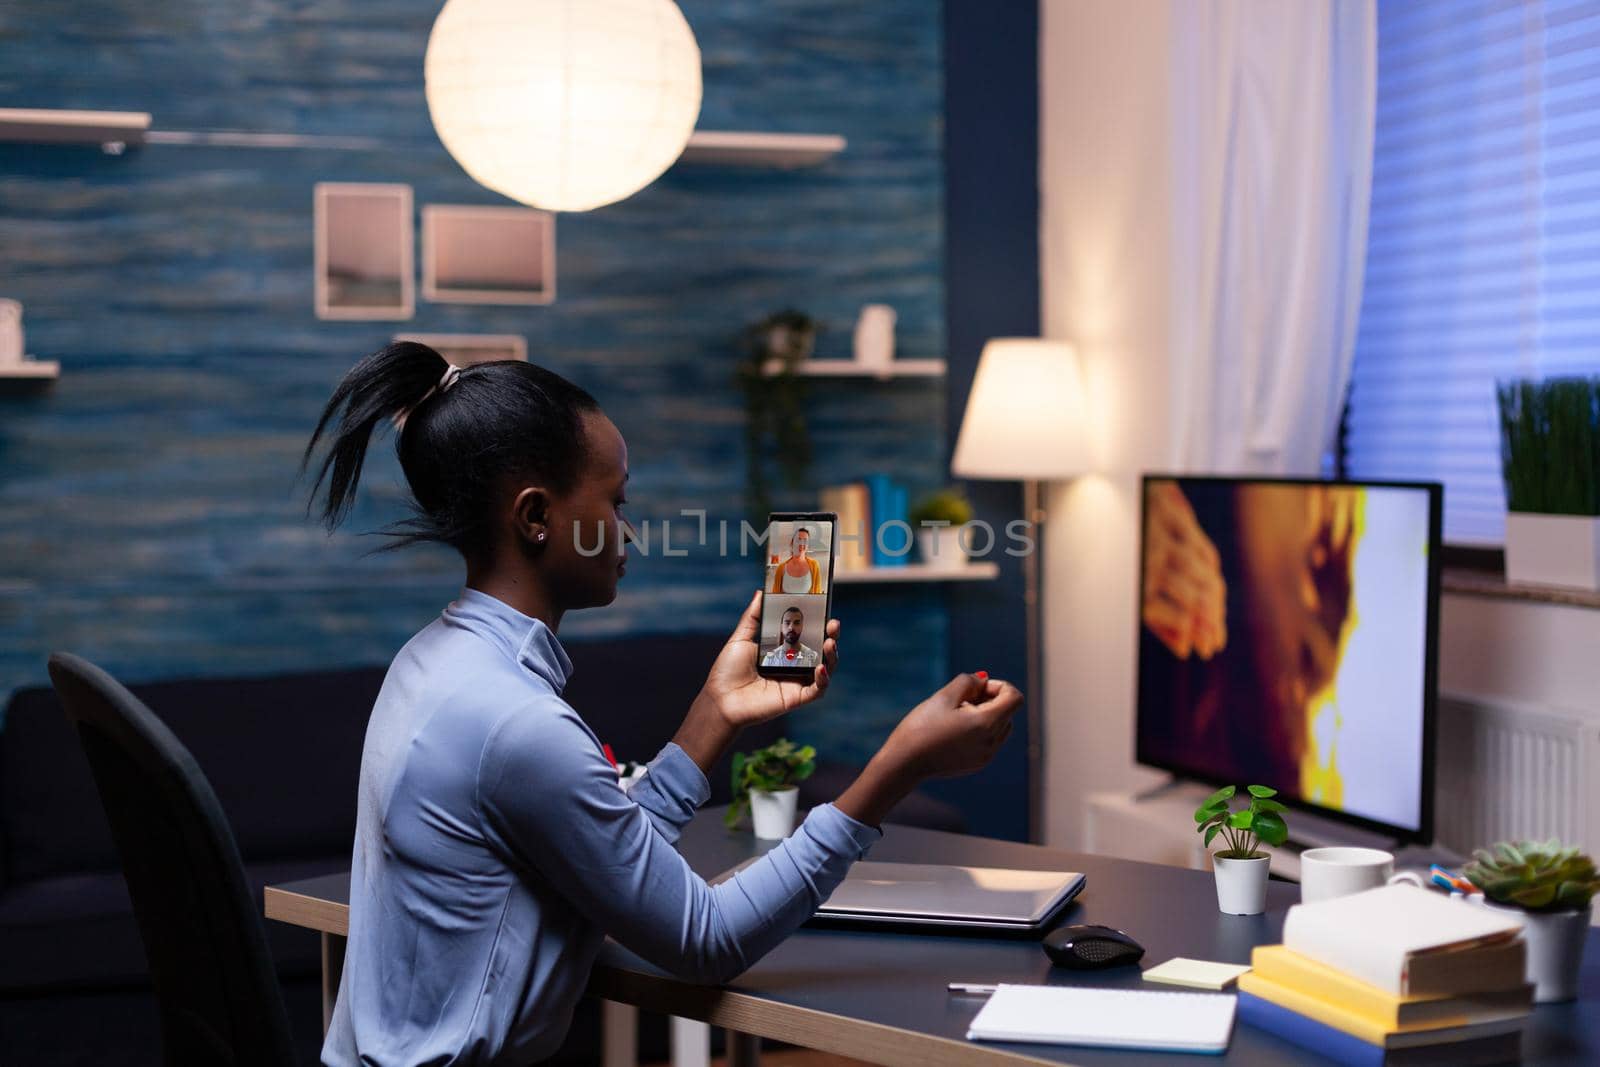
x=1534, y=875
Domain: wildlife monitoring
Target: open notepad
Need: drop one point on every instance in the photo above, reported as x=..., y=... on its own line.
x=1112, y=1018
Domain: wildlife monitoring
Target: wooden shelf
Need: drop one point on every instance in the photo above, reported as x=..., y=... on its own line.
x=849, y=368
x=31, y=370
x=781, y=151
x=55, y=126
x=920, y=572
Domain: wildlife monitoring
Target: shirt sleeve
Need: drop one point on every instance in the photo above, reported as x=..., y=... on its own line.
x=552, y=806
x=671, y=791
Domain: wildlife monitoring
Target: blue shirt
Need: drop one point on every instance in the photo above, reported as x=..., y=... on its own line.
x=495, y=851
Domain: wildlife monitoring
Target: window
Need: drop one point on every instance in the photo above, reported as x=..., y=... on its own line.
x=1483, y=248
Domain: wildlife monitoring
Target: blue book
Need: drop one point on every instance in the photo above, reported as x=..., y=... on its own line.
x=1308, y=1033
x=1336, y=1045
x=886, y=502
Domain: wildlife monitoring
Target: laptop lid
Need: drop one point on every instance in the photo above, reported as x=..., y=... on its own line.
x=926, y=894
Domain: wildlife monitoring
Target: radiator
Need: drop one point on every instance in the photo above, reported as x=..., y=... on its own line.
x=1513, y=772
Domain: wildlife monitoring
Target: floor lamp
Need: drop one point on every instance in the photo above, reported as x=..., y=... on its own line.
x=1024, y=422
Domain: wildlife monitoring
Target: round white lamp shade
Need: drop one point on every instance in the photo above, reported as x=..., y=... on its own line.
x=564, y=105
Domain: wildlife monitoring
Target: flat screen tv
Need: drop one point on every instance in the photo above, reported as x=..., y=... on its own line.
x=1288, y=636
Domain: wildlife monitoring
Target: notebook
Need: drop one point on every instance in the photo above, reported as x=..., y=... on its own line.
x=1107, y=1018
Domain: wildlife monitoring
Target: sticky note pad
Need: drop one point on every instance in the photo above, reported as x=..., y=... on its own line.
x=1196, y=974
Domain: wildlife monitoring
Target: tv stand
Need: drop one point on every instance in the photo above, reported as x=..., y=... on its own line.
x=1157, y=825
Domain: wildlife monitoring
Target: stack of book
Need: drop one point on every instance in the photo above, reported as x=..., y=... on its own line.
x=1397, y=975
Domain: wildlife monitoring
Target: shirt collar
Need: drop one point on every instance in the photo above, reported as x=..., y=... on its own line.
x=525, y=639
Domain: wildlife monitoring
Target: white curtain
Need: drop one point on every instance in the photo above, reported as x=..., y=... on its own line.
x=1272, y=119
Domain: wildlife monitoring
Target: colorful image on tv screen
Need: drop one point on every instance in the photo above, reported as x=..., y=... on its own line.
x=1284, y=639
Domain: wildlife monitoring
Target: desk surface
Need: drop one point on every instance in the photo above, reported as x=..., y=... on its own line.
x=881, y=996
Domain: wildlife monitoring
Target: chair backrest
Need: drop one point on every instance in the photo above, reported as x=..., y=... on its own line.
x=219, y=997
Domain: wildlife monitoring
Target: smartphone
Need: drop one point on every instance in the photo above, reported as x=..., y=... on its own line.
x=797, y=593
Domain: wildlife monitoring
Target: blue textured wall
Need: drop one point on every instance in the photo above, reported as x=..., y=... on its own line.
x=149, y=515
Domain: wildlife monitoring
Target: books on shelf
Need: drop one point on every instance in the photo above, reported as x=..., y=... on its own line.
x=852, y=550
x=1397, y=975
x=888, y=503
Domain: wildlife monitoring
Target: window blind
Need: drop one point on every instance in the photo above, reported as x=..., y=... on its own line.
x=1483, y=248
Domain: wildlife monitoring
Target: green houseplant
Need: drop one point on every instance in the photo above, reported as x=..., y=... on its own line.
x=938, y=519
x=1552, y=887
x=1241, y=867
x=766, y=782
x=1550, y=462
x=775, y=429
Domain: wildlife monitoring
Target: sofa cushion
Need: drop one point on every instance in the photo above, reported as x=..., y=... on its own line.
x=283, y=755
x=77, y=931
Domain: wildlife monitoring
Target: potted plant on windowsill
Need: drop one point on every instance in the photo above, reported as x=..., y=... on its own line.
x=766, y=782
x=1551, y=888
x=1550, y=455
x=939, y=520
x=1241, y=867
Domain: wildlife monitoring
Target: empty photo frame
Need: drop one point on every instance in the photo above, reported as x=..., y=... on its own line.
x=365, y=265
x=488, y=255
x=465, y=349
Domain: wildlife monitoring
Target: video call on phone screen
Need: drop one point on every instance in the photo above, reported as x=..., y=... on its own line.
x=795, y=605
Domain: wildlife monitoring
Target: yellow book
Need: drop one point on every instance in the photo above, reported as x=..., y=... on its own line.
x=1364, y=1029
x=1380, y=1007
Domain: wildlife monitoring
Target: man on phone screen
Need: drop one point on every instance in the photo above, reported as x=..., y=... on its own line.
x=790, y=652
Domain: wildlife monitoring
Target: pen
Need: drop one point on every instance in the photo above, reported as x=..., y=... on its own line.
x=969, y=987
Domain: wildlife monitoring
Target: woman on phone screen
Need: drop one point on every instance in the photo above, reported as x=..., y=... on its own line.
x=799, y=573
x=495, y=849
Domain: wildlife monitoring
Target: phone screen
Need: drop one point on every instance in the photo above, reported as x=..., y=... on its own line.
x=797, y=594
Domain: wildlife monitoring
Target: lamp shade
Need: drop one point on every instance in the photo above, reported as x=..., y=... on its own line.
x=565, y=105
x=1024, y=415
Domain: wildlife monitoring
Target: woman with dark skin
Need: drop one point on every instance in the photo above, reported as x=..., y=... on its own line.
x=495, y=849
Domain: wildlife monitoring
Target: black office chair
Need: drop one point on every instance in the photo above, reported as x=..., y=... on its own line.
x=218, y=994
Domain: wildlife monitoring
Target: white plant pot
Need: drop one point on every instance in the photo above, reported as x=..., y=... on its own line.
x=1241, y=885
x=941, y=547
x=1555, y=950
x=773, y=813
x=1560, y=550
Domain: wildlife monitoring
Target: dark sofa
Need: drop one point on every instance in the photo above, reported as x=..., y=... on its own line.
x=283, y=754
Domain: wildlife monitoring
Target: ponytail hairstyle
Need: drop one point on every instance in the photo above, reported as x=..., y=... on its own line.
x=459, y=440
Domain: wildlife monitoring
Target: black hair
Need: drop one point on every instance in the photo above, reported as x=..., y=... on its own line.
x=457, y=445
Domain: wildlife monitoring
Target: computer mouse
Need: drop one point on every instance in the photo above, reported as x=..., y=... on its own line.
x=1090, y=948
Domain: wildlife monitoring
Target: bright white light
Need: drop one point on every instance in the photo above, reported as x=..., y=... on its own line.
x=565, y=105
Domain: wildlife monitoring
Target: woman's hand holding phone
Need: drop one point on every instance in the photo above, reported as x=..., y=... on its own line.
x=955, y=731
x=736, y=696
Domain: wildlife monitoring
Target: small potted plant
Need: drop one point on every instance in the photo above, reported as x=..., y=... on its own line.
x=938, y=520
x=1241, y=868
x=1550, y=458
x=1551, y=888
x=766, y=782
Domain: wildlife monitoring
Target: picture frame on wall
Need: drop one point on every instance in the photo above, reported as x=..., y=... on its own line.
x=476, y=254
x=364, y=258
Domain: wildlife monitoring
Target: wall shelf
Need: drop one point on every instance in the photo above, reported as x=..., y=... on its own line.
x=849, y=368
x=56, y=126
x=31, y=370
x=919, y=572
x=783, y=151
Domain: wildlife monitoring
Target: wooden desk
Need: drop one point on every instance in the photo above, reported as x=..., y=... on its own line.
x=881, y=996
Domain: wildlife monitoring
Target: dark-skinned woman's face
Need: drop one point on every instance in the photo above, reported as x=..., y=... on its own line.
x=585, y=552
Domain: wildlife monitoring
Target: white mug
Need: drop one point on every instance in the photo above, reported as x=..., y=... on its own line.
x=1326, y=873
x=874, y=338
